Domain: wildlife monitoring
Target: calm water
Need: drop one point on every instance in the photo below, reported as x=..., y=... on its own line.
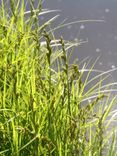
x=101, y=36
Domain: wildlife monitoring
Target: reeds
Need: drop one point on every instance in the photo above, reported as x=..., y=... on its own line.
x=45, y=106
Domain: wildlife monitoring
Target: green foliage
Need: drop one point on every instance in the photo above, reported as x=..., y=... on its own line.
x=45, y=106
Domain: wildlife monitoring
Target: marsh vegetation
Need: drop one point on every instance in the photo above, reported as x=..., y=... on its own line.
x=47, y=107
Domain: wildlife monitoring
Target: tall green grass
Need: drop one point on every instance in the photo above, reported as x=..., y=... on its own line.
x=47, y=105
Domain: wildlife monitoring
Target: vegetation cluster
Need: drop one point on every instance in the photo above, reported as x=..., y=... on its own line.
x=47, y=105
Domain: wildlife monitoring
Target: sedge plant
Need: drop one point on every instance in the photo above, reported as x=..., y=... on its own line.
x=47, y=107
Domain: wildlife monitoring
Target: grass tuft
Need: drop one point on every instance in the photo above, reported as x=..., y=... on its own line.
x=47, y=105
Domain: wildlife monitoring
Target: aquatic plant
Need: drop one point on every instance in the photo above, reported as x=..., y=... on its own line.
x=47, y=105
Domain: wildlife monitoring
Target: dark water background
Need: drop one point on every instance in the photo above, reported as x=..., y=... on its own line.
x=101, y=36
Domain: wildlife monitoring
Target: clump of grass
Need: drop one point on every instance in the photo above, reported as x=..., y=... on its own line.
x=45, y=106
